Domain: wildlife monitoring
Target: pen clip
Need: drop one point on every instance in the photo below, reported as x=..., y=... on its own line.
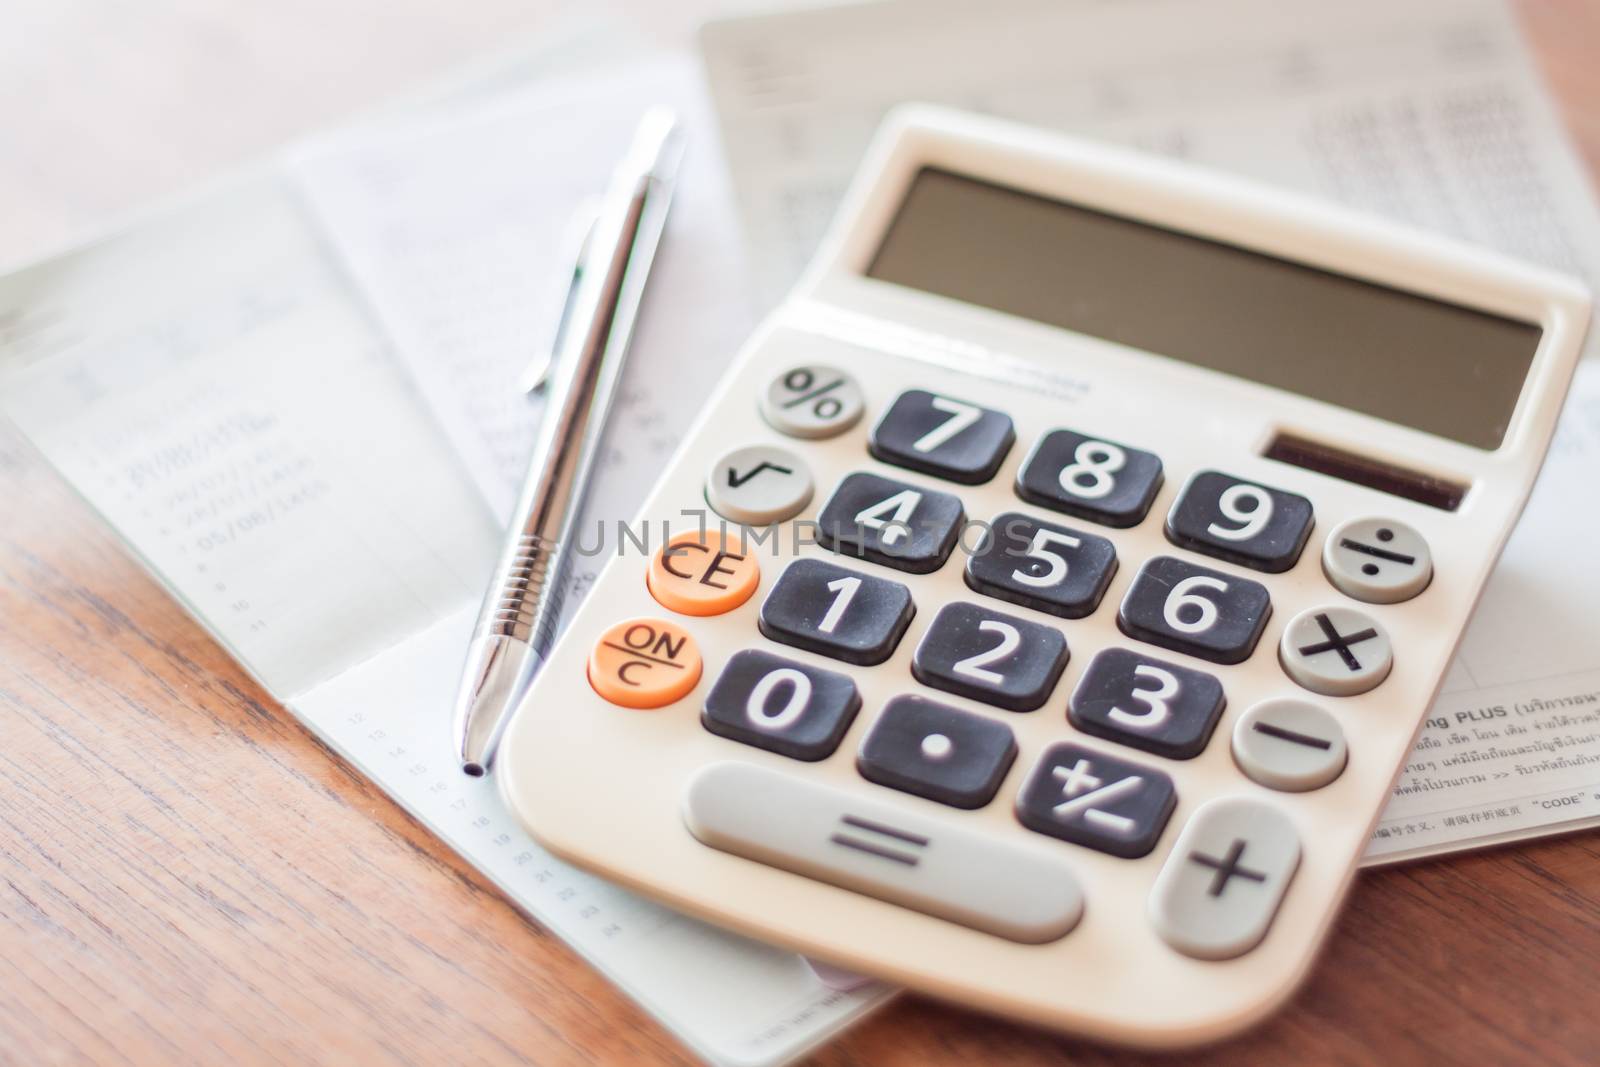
x=575, y=245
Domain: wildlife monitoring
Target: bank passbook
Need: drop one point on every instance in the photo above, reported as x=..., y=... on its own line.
x=1041, y=610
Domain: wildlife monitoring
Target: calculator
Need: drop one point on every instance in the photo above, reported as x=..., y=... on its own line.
x=1041, y=609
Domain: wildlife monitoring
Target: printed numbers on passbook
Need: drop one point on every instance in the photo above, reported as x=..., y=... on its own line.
x=1042, y=566
x=1093, y=479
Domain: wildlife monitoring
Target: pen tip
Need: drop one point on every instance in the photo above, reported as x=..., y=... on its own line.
x=473, y=770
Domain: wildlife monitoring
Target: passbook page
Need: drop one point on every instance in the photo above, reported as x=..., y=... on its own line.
x=208, y=382
x=1429, y=112
x=205, y=381
x=733, y=1000
x=460, y=233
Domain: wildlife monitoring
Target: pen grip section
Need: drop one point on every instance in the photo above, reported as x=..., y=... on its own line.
x=528, y=601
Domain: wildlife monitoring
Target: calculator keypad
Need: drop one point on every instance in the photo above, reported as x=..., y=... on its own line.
x=1095, y=800
x=942, y=436
x=1195, y=610
x=1042, y=566
x=1241, y=522
x=935, y=751
x=793, y=709
x=999, y=659
x=1219, y=889
x=1098, y=480
x=825, y=608
x=1147, y=703
x=890, y=523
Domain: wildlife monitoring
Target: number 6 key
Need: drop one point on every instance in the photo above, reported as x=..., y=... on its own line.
x=1195, y=610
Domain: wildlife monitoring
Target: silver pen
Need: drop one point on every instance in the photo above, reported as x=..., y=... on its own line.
x=522, y=607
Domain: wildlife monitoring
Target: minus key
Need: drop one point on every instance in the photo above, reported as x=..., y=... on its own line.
x=1289, y=744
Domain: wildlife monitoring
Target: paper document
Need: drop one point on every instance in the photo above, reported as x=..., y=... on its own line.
x=458, y=231
x=1429, y=111
x=213, y=385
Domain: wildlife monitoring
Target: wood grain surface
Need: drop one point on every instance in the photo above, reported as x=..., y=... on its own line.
x=190, y=877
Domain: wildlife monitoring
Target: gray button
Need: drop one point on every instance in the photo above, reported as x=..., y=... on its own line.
x=1221, y=886
x=758, y=485
x=1377, y=560
x=929, y=865
x=813, y=401
x=1337, y=652
x=1289, y=744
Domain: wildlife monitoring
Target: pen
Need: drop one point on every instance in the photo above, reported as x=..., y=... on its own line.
x=522, y=606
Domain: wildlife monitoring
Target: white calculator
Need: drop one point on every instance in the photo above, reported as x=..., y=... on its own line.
x=1039, y=613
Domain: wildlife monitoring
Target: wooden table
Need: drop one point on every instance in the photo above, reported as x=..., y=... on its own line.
x=190, y=877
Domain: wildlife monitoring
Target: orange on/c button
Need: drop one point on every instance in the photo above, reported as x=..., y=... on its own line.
x=703, y=572
x=644, y=663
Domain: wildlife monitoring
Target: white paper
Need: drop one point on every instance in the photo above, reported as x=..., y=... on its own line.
x=458, y=233
x=1428, y=111
x=733, y=1000
x=207, y=381
x=1512, y=744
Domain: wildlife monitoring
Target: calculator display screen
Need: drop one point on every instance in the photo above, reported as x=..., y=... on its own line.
x=1424, y=363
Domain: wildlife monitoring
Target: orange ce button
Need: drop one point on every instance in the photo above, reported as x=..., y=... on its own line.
x=703, y=573
x=644, y=663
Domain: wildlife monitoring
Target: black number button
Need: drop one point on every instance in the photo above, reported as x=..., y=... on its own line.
x=1082, y=796
x=891, y=523
x=1001, y=660
x=922, y=747
x=793, y=709
x=1195, y=610
x=1096, y=480
x=1240, y=521
x=824, y=608
x=1042, y=566
x=942, y=436
x=1146, y=703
